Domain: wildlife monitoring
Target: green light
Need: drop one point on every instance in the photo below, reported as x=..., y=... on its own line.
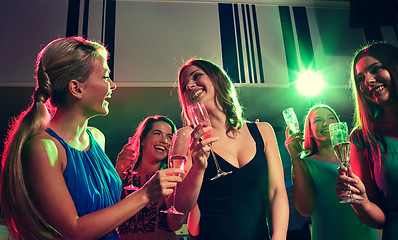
x=52, y=151
x=310, y=83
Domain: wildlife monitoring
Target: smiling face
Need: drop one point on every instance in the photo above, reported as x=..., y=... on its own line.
x=97, y=89
x=202, y=80
x=196, y=85
x=373, y=79
x=157, y=141
x=320, y=119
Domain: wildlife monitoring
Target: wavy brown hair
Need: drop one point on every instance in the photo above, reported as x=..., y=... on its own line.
x=225, y=92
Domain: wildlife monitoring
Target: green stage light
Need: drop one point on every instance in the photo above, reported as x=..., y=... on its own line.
x=310, y=83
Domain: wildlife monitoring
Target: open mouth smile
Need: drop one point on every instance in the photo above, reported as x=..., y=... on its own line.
x=161, y=148
x=196, y=95
x=377, y=89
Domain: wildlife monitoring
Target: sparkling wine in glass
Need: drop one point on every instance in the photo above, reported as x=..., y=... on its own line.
x=177, y=158
x=198, y=114
x=291, y=121
x=340, y=140
x=133, y=145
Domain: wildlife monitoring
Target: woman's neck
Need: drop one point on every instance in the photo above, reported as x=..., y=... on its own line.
x=387, y=124
x=325, y=152
x=216, y=114
x=217, y=117
x=390, y=114
x=68, y=125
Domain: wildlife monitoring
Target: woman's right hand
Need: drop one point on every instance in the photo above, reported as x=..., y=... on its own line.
x=200, y=149
x=293, y=143
x=127, y=153
x=349, y=183
x=125, y=158
x=162, y=183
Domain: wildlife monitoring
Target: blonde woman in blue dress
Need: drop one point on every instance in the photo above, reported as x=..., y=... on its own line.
x=314, y=180
x=57, y=182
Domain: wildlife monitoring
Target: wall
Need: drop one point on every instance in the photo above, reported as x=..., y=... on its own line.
x=263, y=52
x=262, y=46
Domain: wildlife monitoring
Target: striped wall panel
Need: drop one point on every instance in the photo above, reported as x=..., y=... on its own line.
x=242, y=46
x=241, y=43
x=263, y=45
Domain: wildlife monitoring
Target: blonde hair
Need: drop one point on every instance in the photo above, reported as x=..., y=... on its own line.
x=59, y=62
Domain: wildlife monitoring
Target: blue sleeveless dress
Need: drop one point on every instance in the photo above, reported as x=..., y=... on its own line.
x=91, y=179
x=235, y=206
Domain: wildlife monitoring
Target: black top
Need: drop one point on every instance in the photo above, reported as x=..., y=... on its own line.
x=235, y=206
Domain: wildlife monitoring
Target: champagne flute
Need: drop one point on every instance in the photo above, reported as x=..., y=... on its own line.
x=340, y=140
x=291, y=120
x=133, y=145
x=178, y=154
x=198, y=114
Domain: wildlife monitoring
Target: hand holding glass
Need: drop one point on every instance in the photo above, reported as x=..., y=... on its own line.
x=135, y=147
x=198, y=114
x=291, y=120
x=340, y=140
x=178, y=154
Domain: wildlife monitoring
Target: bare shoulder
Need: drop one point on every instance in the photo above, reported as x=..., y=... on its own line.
x=44, y=149
x=268, y=135
x=265, y=128
x=42, y=141
x=98, y=136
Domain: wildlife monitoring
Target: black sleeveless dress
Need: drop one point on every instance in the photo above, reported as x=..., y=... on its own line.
x=235, y=206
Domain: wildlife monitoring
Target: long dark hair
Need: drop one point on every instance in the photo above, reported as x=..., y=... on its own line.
x=142, y=131
x=366, y=111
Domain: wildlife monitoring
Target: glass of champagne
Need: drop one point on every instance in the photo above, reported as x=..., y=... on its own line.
x=291, y=120
x=340, y=140
x=178, y=154
x=133, y=145
x=198, y=114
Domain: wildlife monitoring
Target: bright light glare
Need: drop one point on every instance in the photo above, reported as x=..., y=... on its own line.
x=310, y=83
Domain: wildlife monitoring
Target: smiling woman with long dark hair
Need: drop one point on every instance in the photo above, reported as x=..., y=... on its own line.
x=144, y=154
x=374, y=141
